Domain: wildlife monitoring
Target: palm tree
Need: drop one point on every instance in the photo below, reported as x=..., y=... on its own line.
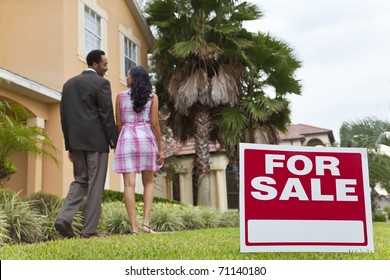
x=16, y=136
x=260, y=115
x=373, y=134
x=199, y=59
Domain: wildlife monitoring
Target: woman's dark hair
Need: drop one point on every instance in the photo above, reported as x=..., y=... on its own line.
x=141, y=88
x=94, y=56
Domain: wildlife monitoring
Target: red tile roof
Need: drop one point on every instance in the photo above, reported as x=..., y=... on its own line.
x=300, y=131
x=174, y=148
x=295, y=132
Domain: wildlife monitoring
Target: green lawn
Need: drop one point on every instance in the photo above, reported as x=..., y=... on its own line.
x=207, y=244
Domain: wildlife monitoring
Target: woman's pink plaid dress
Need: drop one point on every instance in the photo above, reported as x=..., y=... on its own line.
x=136, y=149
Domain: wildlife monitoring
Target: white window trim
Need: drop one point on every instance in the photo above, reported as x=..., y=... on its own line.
x=129, y=34
x=92, y=4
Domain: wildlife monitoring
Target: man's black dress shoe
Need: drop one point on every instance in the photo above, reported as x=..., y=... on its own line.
x=64, y=228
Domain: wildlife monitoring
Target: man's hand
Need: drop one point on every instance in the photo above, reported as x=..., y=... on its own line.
x=70, y=156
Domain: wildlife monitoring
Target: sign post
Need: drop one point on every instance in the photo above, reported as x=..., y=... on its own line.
x=308, y=199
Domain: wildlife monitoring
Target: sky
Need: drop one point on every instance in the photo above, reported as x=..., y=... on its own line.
x=344, y=48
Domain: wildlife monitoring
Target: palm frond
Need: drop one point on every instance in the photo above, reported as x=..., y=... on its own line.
x=16, y=136
x=203, y=87
x=246, y=11
x=207, y=51
x=231, y=123
x=224, y=85
x=184, y=48
x=261, y=108
x=192, y=89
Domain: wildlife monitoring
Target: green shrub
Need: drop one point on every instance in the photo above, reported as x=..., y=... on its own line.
x=4, y=238
x=192, y=217
x=379, y=216
x=115, y=219
x=48, y=205
x=163, y=200
x=387, y=210
x=43, y=202
x=7, y=194
x=230, y=219
x=165, y=217
x=24, y=223
x=7, y=168
x=110, y=196
x=211, y=217
x=49, y=212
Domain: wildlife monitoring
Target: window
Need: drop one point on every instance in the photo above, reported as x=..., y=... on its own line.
x=232, y=186
x=130, y=51
x=176, y=187
x=130, y=54
x=92, y=30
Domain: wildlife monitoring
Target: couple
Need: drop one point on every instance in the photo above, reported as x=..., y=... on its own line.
x=89, y=130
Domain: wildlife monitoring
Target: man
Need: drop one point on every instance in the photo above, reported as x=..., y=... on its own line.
x=89, y=130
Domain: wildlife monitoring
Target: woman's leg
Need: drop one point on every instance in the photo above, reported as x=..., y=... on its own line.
x=129, y=196
x=148, y=182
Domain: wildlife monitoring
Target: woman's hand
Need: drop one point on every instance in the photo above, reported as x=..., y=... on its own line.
x=160, y=160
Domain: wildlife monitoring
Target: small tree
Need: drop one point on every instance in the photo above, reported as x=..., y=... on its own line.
x=16, y=136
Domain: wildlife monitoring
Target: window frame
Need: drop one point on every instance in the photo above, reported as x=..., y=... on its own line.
x=102, y=14
x=97, y=25
x=127, y=34
x=132, y=55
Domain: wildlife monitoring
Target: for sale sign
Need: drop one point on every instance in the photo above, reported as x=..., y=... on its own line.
x=304, y=199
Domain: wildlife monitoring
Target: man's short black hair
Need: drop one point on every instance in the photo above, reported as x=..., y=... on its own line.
x=94, y=56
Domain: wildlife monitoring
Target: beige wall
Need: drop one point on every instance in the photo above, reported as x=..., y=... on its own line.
x=310, y=140
x=18, y=181
x=32, y=40
x=318, y=140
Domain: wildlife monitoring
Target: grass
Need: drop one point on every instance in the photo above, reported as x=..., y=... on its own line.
x=205, y=244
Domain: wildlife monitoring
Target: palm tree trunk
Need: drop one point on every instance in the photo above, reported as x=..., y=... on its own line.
x=202, y=165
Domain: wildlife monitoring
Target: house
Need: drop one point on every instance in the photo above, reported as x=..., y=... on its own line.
x=383, y=198
x=224, y=176
x=177, y=180
x=307, y=135
x=43, y=43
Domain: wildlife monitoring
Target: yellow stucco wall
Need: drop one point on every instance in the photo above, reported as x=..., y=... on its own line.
x=32, y=40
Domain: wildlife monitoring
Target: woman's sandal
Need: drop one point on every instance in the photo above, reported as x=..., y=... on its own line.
x=133, y=233
x=149, y=229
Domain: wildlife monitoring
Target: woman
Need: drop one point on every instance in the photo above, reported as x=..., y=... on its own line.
x=139, y=145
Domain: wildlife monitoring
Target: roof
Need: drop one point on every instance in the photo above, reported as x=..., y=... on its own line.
x=28, y=87
x=175, y=148
x=300, y=131
x=295, y=131
x=141, y=22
